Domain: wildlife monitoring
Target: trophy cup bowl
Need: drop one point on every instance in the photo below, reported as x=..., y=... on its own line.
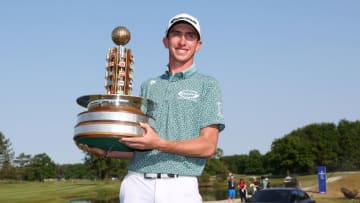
x=116, y=114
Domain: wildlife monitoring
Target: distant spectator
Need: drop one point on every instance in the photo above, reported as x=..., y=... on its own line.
x=264, y=183
x=268, y=184
x=242, y=190
x=231, y=188
x=252, y=186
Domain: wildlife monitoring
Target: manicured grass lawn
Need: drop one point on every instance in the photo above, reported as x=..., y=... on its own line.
x=17, y=192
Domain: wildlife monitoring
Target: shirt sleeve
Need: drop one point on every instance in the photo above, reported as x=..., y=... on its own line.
x=212, y=106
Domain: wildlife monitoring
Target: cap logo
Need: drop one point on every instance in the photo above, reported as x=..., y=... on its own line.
x=183, y=18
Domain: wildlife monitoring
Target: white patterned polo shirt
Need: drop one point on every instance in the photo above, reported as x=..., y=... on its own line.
x=185, y=103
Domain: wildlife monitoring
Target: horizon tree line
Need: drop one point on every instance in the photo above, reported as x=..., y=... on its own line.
x=298, y=152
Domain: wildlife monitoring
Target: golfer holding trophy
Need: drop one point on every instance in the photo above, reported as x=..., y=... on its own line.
x=179, y=114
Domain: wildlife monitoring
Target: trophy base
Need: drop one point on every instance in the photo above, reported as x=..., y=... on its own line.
x=108, y=119
x=104, y=143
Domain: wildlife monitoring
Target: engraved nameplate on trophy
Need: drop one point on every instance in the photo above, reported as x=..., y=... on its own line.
x=116, y=114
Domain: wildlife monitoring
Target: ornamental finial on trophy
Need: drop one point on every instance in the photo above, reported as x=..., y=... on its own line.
x=119, y=64
x=116, y=114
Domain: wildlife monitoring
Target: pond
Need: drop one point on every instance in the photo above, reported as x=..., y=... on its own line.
x=208, y=194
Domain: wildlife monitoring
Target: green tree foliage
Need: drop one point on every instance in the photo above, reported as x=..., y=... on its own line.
x=236, y=163
x=74, y=171
x=105, y=168
x=254, y=164
x=285, y=154
x=349, y=143
x=41, y=167
x=300, y=152
x=22, y=160
x=7, y=171
x=6, y=152
x=214, y=166
x=324, y=141
x=219, y=153
x=304, y=149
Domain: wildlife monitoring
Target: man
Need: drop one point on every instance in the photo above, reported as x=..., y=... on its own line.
x=231, y=189
x=187, y=121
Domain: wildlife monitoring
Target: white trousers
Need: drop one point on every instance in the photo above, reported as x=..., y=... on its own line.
x=136, y=189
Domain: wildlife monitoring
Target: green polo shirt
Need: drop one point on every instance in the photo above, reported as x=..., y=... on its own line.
x=185, y=103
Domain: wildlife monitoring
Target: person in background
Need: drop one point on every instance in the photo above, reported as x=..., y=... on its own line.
x=264, y=183
x=252, y=187
x=184, y=133
x=268, y=184
x=231, y=189
x=242, y=187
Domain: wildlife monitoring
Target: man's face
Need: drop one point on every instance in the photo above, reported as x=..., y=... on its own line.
x=182, y=42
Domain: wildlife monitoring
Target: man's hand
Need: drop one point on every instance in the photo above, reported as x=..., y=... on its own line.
x=149, y=140
x=95, y=151
x=105, y=154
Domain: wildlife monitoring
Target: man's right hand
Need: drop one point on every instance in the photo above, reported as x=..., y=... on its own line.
x=103, y=154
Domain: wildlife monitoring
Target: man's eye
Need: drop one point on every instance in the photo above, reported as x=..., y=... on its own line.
x=190, y=36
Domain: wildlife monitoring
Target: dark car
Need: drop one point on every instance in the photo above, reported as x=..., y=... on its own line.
x=281, y=195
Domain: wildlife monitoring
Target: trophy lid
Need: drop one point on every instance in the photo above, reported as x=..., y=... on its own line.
x=120, y=35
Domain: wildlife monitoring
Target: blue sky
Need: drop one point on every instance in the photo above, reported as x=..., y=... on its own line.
x=281, y=64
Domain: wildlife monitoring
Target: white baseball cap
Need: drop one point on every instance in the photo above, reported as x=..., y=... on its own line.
x=184, y=17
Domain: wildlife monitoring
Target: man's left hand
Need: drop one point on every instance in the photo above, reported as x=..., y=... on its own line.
x=149, y=140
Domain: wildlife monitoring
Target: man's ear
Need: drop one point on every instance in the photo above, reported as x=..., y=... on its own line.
x=165, y=42
x=198, y=46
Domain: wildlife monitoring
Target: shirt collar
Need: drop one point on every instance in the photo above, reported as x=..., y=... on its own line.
x=180, y=75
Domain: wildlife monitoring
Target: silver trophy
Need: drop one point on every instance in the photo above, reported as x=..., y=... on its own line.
x=116, y=114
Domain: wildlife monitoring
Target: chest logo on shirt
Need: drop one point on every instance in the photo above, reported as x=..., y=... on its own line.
x=188, y=95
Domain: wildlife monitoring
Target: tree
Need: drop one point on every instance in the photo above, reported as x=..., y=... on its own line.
x=74, y=171
x=349, y=142
x=305, y=148
x=324, y=141
x=6, y=152
x=286, y=153
x=7, y=171
x=105, y=168
x=22, y=160
x=254, y=164
x=41, y=167
x=219, y=153
x=215, y=167
x=236, y=163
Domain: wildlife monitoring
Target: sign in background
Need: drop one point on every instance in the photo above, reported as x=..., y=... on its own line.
x=322, y=179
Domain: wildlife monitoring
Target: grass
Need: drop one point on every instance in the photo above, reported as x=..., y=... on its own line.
x=350, y=180
x=56, y=192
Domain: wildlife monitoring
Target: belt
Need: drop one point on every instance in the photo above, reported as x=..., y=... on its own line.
x=155, y=175
x=159, y=175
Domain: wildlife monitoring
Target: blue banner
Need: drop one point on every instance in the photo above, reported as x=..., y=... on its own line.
x=322, y=179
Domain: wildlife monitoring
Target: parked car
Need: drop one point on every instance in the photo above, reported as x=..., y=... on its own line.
x=281, y=195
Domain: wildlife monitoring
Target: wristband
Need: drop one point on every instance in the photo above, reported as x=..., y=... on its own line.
x=105, y=155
